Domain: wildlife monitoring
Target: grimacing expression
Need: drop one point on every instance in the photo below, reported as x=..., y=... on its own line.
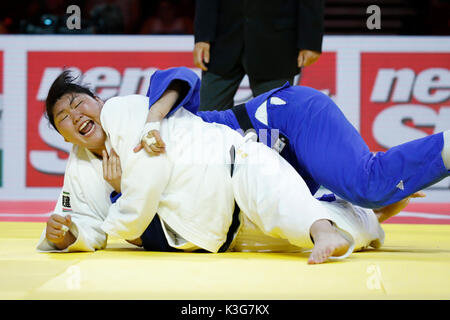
x=77, y=118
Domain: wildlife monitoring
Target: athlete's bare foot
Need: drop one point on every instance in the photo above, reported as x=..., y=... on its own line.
x=327, y=242
x=391, y=210
x=136, y=242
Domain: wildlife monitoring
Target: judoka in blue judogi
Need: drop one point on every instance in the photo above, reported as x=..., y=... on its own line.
x=313, y=135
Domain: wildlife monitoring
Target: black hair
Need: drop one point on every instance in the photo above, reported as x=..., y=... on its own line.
x=65, y=83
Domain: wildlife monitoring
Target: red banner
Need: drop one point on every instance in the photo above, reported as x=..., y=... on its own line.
x=1, y=72
x=108, y=74
x=322, y=74
x=404, y=96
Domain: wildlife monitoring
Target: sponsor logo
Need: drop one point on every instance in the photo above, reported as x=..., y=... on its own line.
x=404, y=96
x=1, y=72
x=1, y=118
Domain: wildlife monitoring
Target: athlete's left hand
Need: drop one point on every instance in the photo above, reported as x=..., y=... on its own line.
x=155, y=148
x=307, y=58
x=112, y=171
x=391, y=210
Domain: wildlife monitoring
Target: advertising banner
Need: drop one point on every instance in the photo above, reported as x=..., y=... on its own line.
x=1, y=121
x=108, y=74
x=392, y=89
x=404, y=96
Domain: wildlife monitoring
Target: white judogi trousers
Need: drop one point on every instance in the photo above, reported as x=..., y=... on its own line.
x=279, y=209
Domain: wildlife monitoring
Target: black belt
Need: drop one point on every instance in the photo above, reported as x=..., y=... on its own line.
x=242, y=117
x=235, y=222
x=240, y=112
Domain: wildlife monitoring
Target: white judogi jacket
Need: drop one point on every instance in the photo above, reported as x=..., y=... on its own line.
x=189, y=186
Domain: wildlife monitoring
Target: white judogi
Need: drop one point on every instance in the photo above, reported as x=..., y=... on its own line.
x=85, y=196
x=362, y=223
x=191, y=188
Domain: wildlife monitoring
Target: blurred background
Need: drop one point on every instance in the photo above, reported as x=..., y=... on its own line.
x=400, y=17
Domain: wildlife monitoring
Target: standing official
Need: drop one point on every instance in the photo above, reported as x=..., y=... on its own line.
x=267, y=40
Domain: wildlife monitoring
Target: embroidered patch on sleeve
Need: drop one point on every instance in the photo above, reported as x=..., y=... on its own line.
x=66, y=201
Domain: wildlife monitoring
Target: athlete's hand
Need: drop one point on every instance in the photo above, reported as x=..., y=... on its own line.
x=400, y=205
x=112, y=172
x=201, y=55
x=152, y=143
x=388, y=211
x=58, y=232
x=307, y=58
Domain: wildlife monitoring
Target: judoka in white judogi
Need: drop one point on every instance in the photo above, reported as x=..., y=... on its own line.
x=191, y=189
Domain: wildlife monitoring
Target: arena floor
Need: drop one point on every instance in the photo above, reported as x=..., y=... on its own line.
x=414, y=263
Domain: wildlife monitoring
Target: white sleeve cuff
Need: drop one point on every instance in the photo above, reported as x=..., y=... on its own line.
x=149, y=126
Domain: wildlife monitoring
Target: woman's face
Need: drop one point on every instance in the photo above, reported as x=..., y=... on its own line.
x=77, y=118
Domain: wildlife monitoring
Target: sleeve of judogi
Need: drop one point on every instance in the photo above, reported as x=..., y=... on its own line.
x=144, y=178
x=86, y=224
x=310, y=25
x=143, y=181
x=161, y=79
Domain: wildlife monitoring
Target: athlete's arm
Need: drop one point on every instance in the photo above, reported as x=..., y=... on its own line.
x=174, y=94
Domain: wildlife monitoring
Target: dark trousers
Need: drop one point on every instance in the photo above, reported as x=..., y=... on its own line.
x=217, y=93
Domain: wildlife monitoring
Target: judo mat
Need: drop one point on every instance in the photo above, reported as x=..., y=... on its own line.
x=414, y=263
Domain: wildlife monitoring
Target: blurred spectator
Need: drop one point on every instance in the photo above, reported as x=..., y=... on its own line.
x=439, y=17
x=107, y=19
x=12, y=12
x=166, y=21
x=34, y=10
x=5, y=23
x=130, y=11
x=56, y=7
x=176, y=16
x=186, y=8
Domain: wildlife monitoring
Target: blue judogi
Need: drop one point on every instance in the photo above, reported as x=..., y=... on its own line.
x=323, y=146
